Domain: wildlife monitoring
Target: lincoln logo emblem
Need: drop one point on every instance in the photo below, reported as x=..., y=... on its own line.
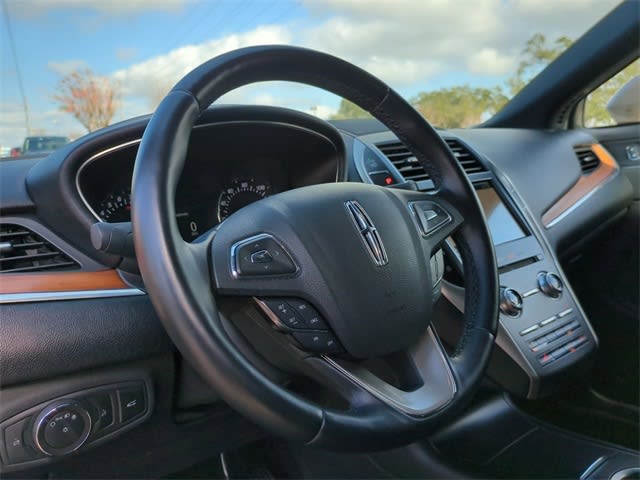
x=368, y=231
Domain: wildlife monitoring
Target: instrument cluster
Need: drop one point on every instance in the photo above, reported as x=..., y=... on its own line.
x=228, y=167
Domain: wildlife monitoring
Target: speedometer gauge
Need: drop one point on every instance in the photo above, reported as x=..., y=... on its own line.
x=240, y=193
x=116, y=207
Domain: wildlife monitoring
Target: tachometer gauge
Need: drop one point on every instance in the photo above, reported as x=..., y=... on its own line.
x=239, y=193
x=116, y=207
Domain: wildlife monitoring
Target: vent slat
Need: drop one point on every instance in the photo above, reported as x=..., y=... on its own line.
x=410, y=168
x=40, y=268
x=588, y=160
x=26, y=251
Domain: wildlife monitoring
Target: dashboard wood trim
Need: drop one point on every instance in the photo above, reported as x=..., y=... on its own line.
x=61, y=282
x=585, y=185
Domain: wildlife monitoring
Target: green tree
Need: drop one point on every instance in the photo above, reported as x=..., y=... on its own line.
x=460, y=106
x=349, y=109
x=463, y=105
x=595, y=108
x=535, y=56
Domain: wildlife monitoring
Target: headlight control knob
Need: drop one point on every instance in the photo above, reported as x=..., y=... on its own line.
x=62, y=428
x=510, y=302
x=550, y=284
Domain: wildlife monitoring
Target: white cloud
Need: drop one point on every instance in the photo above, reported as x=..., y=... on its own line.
x=488, y=61
x=161, y=72
x=31, y=8
x=66, y=67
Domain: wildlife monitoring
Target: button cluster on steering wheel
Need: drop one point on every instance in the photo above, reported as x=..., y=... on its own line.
x=302, y=320
x=261, y=255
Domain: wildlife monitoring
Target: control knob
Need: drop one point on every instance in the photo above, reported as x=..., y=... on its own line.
x=510, y=302
x=550, y=284
x=61, y=428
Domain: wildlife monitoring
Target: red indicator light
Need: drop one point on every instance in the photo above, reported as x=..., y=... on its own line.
x=388, y=180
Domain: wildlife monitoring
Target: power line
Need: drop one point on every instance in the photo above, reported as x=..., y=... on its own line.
x=287, y=10
x=180, y=34
x=12, y=45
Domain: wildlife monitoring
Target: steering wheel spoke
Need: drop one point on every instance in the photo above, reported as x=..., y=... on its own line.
x=416, y=382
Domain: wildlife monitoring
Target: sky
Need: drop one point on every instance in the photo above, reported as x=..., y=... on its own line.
x=146, y=46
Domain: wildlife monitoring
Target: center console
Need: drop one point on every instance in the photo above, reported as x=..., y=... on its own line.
x=542, y=328
x=543, y=332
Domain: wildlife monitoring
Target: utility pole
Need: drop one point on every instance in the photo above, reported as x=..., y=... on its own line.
x=12, y=45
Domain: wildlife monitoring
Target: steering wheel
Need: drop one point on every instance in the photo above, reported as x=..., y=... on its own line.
x=358, y=254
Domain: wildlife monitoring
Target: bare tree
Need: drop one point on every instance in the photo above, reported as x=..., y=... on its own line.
x=93, y=100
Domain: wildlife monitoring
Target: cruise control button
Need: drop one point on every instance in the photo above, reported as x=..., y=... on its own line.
x=285, y=313
x=309, y=314
x=261, y=255
x=318, y=342
x=132, y=402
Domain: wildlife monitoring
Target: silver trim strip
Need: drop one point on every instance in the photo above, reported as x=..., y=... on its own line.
x=582, y=200
x=225, y=468
x=438, y=388
x=591, y=468
x=70, y=295
x=92, y=159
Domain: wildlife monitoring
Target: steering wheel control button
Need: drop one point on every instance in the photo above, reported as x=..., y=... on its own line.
x=511, y=302
x=132, y=402
x=318, y=342
x=285, y=313
x=550, y=284
x=62, y=428
x=14, y=443
x=309, y=315
x=430, y=215
x=261, y=255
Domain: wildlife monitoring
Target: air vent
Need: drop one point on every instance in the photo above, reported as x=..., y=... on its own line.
x=22, y=250
x=588, y=160
x=409, y=167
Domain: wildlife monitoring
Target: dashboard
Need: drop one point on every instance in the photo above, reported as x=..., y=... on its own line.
x=238, y=155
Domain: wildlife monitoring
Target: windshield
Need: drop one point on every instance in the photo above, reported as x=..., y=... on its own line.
x=74, y=66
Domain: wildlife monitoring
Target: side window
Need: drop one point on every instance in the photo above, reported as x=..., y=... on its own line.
x=616, y=101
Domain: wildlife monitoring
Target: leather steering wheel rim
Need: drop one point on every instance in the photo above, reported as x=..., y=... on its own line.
x=182, y=289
